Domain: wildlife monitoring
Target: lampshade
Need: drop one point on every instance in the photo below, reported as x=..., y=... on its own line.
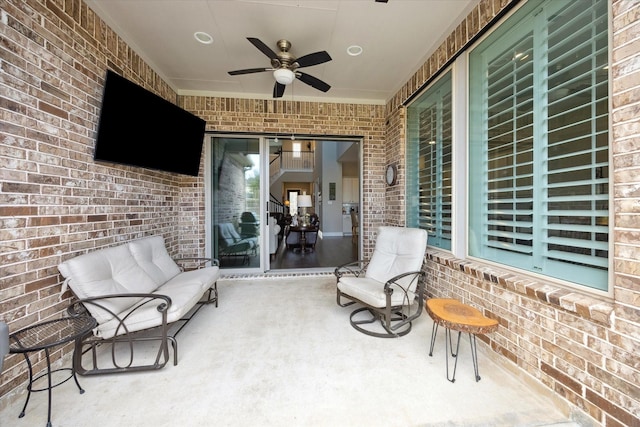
x=304, y=201
x=284, y=76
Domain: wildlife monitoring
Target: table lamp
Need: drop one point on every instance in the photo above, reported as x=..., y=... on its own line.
x=304, y=202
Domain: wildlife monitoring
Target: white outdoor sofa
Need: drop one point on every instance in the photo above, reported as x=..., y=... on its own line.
x=137, y=293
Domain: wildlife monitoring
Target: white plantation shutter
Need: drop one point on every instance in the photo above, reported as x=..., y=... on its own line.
x=538, y=146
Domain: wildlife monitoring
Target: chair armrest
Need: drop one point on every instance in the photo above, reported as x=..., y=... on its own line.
x=355, y=268
x=394, y=281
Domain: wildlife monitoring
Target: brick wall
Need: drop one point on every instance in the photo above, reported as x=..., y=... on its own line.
x=313, y=118
x=55, y=202
x=582, y=347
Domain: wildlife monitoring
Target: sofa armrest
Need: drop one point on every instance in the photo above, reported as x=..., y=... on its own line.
x=118, y=321
x=195, y=263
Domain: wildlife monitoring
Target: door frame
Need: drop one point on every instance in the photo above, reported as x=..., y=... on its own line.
x=208, y=190
x=265, y=181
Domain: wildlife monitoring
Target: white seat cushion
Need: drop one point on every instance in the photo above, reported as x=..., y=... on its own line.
x=371, y=292
x=105, y=272
x=398, y=250
x=183, y=298
x=204, y=278
x=151, y=254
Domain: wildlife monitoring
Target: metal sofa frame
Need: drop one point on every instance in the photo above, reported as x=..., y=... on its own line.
x=124, y=342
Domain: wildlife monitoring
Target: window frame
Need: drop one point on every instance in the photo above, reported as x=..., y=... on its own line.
x=460, y=175
x=608, y=292
x=414, y=220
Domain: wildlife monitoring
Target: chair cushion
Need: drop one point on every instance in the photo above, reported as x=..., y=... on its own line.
x=228, y=237
x=370, y=291
x=398, y=250
x=151, y=254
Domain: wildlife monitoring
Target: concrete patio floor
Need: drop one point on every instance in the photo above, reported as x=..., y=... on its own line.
x=281, y=352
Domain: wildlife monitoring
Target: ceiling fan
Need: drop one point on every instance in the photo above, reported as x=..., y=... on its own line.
x=285, y=66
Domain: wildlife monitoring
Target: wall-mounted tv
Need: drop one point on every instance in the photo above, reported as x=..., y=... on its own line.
x=139, y=128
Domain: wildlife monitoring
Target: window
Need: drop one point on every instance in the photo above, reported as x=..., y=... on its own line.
x=297, y=149
x=538, y=142
x=429, y=163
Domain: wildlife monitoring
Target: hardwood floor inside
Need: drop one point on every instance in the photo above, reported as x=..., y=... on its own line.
x=329, y=252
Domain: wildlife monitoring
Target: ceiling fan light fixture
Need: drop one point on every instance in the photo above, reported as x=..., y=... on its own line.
x=284, y=76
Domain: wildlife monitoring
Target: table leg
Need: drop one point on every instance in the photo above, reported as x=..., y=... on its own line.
x=474, y=355
x=24, y=408
x=448, y=343
x=46, y=352
x=434, y=333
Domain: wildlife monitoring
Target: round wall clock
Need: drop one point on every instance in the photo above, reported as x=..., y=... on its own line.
x=392, y=175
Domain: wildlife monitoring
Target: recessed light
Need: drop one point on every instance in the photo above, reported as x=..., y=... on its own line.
x=354, y=50
x=203, y=37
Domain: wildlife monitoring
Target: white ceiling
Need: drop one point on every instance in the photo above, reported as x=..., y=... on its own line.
x=396, y=37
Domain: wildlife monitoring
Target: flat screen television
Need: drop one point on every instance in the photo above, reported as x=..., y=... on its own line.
x=139, y=128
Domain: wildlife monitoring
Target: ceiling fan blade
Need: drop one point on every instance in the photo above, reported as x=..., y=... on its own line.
x=263, y=47
x=278, y=90
x=313, y=81
x=313, y=59
x=249, y=71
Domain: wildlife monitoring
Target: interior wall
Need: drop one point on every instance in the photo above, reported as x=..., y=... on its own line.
x=331, y=175
x=581, y=346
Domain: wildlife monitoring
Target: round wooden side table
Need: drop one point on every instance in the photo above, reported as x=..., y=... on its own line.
x=456, y=316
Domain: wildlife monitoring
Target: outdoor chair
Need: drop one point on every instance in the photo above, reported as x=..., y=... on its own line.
x=390, y=285
x=248, y=225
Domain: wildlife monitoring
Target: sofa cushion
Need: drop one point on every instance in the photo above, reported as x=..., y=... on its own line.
x=183, y=298
x=205, y=278
x=228, y=234
x=152, y=256
x=105, y=272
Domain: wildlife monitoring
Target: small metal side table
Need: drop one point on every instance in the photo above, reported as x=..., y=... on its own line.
x=44, y=336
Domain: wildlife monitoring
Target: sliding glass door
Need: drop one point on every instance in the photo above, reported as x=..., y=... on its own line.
x=251, y=180
x=235, y=208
